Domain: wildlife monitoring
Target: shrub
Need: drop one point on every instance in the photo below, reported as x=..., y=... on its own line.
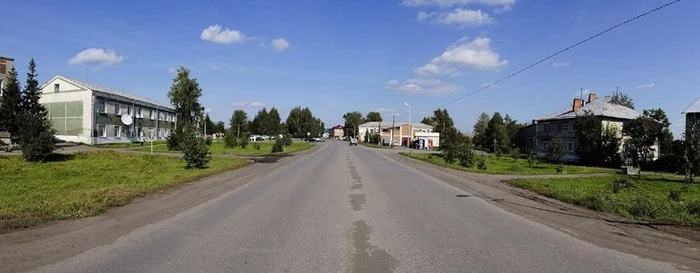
x=287, y=139
x=499, y=153
x=532, y=160
x=230, y=139
x=693, y=207
x=514, y=153
x=278, y=147
x=208, y=140
x=481, y=164
x=244, y=140
x=625, y=182
x=195, y=150
x=675, y=194
x=173, y=141
x=560, y=168
x=36, y=137
x=256, y=146
x=466, y=156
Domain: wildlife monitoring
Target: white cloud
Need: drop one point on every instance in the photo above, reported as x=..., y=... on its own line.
x=646, y=85
x=279, y=44
x=504, y=5
x=392, y=82
x=424, y=16
x=216, y=34
x=475, y=54
x=244, y=104
x=423, y=86
x=560, y=64
x=464, y=17
x=96, y=56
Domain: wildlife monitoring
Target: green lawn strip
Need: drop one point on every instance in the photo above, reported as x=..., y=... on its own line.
x=508, y=165
x=86, y=184
x=219, y=148
x=373, y=145
x=647, y=200
x=129, y=144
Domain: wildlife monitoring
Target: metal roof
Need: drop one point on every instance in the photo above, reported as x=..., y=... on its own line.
x=693, y=108
x=112, y=91
x=599, y=107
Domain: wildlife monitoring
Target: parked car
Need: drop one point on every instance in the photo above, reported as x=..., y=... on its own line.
x=353, y=141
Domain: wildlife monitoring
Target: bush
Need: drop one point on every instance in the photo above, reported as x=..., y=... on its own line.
x=278, y=147
x=675, y=194
x=560, y=168
x=287, y=139
x=625, y=182
x=466, y=156
x=481, y=164
x=230, y=139
x=532, y=160
x=256, y=146
x=36, y=137
x=499, y=153
x=208, y=140
x=693, y=207
x=195, y=150
x=514, y=153
x=667, y=163
x=244, y=140
x=173, y=141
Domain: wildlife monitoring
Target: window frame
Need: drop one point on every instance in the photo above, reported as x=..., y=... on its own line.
x=56, y=87
x=101, y=130
x=117, y=109
x=117, y=131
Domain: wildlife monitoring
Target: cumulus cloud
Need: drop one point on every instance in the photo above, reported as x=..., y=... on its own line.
x=503, y=5
x=96, y=56
x=646, y=85
x=464, y=17
x=475, y=54
x=279, y=44
x=560, y=64
x=424, y=16
x=422, y=86
x=245, y=104
x=217, y=34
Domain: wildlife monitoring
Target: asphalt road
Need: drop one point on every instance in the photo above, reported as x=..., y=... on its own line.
x=349, y=209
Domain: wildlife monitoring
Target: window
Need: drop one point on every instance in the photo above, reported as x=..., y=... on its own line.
x=117, y=109
x=139, y=132
x=101, y=107
x=101, y=130
x=545, y=146
x=564, y=127
x=552, y=127
x=55, y=87
x=138, y=112
x=128, y=109
x=117, y=131
x=151, y=115
x=570, y=147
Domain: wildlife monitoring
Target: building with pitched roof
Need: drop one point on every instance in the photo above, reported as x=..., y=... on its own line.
x=403, y=134
x=560, y=124
x=88, y=113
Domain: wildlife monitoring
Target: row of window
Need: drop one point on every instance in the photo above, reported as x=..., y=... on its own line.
x=128, y=131
x=138, y=112
x=561, y=127
x=569, y=146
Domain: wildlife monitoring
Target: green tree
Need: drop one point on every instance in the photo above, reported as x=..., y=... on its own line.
x=301, y=121
x=272, y=122
x=497, y=131
x=374, y=116
x=480, y=127
x=427, y=121
x=588, y=132
x=691, y=156
x=556, y=150
x=665, y=136
x=245, y=137
x=220, y=127
x=643, y=132
x=513, y=130
x=31, y=93
x=231, y=138
x=622, y=99
x=278, y=147
x=36, y=135
x=184, y=95
x=209, y=125
x=194, y=149
x=258, y=125
x=441, y=120
x=239, y=122
x=11, y=104
x=294, y=122
x=610, y=143
x=352, y=120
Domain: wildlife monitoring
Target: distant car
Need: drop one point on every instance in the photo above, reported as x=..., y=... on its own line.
x=353, y=141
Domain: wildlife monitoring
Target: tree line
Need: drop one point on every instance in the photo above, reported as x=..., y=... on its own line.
x=354, y=119
x=299, y=122
x=25, y=118
x=497, y=133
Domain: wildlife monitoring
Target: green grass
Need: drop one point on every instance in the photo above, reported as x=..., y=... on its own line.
x=508, y=165
x=129, y=144
x=86, y=184
x=219, y=148
x=647, y=200
x=373, y=145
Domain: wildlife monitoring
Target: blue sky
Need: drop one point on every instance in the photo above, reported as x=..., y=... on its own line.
x=340, y=56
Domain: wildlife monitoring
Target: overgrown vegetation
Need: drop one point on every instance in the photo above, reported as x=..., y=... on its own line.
x=86, y=184
x=652, y=197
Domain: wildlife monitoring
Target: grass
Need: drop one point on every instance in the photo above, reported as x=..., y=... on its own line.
x=86, y=184
x=508, y=165
x=649, y=199
x=372, y=145
x=219, y=148
x=129, y=144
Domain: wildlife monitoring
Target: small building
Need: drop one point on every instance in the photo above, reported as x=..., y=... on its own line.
x=336, y=132
x=561, y=125
x=403, y=134
x=87, y=113
x=692, y=115
x=6, y=65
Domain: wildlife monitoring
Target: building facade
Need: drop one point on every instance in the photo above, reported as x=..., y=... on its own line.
x=403, y=134
x=336, y=132
x=538, y=136
x=87, y=113
x=6, y=65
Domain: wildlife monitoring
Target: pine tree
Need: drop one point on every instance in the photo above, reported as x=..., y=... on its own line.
x=31, y=95
x=11, y=104
x=36, y=137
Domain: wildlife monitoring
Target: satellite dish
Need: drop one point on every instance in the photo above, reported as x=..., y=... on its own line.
x=126, y=119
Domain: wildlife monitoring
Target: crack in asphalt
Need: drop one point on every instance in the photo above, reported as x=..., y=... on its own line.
x=367, y=257
x=357, y=201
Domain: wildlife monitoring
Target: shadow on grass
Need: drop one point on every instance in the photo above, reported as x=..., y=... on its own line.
x=271, y=158
x=59, y=157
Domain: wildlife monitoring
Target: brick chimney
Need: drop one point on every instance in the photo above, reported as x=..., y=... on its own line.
x=578, y=103
x=592, y=97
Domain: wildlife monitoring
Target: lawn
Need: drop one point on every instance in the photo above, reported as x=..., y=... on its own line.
x=648, y=199
x=86, y=184
x=129, y=144
x=265, y=147
x=508, y=165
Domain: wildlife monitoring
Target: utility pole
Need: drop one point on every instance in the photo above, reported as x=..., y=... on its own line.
x=393, y=121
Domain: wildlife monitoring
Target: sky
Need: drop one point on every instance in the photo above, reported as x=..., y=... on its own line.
x=365, y=55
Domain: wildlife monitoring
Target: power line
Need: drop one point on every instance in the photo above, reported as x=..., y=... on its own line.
x=559, y=52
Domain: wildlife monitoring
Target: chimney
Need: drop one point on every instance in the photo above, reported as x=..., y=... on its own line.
x=578, y=103
x=592, y=97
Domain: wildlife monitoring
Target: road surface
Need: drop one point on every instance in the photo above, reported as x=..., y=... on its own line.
x=349, y=209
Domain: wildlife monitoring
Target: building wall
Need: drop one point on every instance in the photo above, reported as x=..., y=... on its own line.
x=6, y=65
x=147, y=120
x=69, y=111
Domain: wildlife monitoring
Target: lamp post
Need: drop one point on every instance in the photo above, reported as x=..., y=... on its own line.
x=308, y=136
x=409, y=112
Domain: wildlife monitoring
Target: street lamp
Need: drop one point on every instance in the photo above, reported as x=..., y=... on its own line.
x=308, y=136
x=409, y=112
